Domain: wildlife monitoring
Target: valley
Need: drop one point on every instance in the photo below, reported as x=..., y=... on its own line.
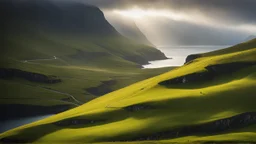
x=68, y=76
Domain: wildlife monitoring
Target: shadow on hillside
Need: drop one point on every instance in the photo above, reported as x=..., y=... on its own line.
x=186, y=110
x=209, y=77
x=31, y=134
x=181, y=110
x=103, y=88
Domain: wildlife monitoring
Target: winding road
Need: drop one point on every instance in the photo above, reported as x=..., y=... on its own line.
x=63, y=93
x=33, y=61
x=25, y=61
x=76, y=102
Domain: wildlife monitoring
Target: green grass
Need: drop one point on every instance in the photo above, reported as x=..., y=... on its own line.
x=75, y=80
x=237, y=48
x=173, y=107
x=36, y=44
x=77, y=73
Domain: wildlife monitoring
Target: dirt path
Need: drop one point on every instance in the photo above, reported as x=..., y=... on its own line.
x=25, y=61
x=76, y=102
x=63, y=93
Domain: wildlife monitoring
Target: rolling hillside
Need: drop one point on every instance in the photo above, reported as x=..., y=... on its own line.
x=236, y=48
x=58, y=55
x=211, y=99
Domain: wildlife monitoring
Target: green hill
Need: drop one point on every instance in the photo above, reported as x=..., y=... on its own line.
x=57, y=55
x=236, y=48
x=211, y=99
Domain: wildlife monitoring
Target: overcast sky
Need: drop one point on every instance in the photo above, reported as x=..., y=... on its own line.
x=233, y=18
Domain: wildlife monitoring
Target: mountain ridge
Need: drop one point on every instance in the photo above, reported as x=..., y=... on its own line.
x=73, y=20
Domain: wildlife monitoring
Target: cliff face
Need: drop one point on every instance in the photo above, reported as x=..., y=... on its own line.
x=192, y=57
x=65, y=17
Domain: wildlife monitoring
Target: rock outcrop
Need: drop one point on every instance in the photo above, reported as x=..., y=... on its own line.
x=212, y=71
x=58, y=17
x=192, y=57
x=30, y=76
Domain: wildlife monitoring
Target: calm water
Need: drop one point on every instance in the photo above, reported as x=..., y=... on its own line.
x=179, y=54
x=10, y=124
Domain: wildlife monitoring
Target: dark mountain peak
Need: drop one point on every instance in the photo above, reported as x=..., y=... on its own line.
x=57, y=16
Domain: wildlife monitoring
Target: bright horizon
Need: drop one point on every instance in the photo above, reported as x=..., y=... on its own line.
x=167, y=26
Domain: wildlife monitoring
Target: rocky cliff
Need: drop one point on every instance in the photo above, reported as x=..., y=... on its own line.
x=72, y=20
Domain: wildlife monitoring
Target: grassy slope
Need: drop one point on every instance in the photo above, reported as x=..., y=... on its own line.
x=78, y=73
x=174, y=107
x=86, y=57
x=240, y=47
x=75, y=79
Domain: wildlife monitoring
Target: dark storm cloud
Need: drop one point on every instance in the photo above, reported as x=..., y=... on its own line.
x=228, y=11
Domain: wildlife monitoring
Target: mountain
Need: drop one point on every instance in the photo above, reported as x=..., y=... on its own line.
x=208, y=100
x=60, y=17
x=128, y=28
x=57, y=55
x=70, y=19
